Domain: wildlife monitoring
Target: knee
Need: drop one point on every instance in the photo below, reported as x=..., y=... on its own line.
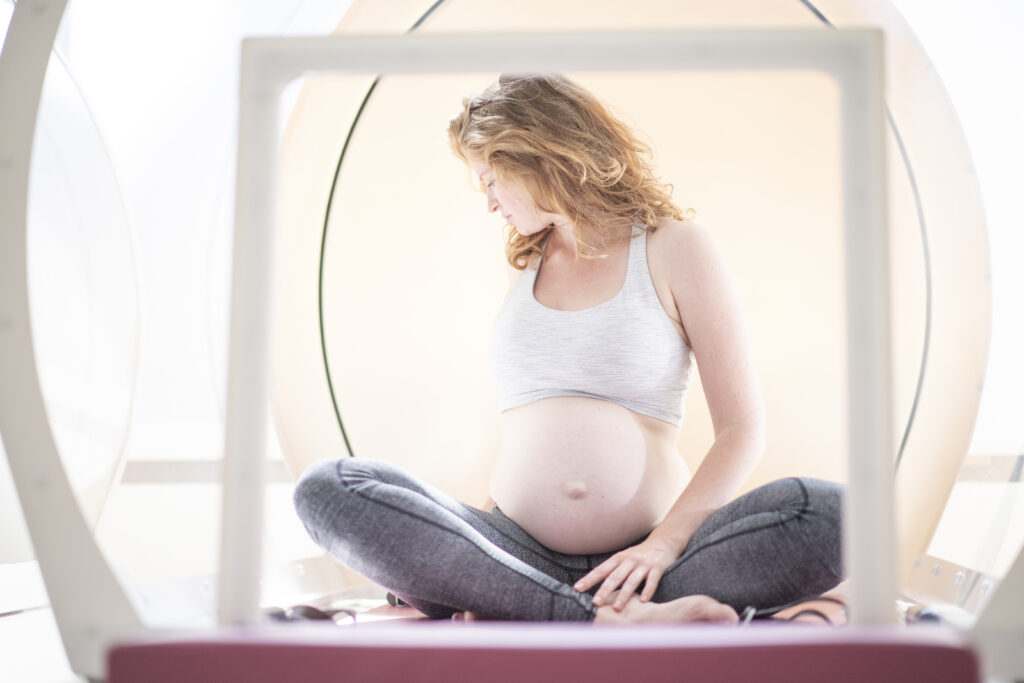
x=824, y=499
x=814, y=504
x=316, y=486
x=327, y=487
x=822, y=519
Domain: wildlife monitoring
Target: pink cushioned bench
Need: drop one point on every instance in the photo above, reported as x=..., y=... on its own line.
x=500, y=653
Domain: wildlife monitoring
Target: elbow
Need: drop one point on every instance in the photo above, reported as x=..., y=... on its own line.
x=758, y=444
x=747, y=439
x=757, y=431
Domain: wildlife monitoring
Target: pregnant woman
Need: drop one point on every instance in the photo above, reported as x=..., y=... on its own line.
x=614, y=293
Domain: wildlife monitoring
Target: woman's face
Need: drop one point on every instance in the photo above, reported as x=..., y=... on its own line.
x=512, y=201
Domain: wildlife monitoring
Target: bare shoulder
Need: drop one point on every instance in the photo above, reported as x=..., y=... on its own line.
x=680, y=247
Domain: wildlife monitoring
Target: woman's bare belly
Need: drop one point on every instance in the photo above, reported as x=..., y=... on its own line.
x=583, y=475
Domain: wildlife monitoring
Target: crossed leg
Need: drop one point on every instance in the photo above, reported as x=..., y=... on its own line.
x=444, y=557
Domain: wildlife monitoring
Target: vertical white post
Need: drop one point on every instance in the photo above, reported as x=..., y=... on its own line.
x=869, y=533
x=241, y=554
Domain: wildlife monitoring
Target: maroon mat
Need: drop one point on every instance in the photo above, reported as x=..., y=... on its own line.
x=502, y=653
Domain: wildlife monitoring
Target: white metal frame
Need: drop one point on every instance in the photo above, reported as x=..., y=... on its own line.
x=853, y=58
x=90, y=605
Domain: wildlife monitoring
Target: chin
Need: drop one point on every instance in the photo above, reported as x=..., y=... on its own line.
x=531, y=230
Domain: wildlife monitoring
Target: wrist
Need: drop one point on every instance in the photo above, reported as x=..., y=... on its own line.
x=678, y=527
x=674, y=540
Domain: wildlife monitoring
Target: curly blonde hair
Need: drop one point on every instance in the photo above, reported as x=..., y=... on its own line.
x=570, y=153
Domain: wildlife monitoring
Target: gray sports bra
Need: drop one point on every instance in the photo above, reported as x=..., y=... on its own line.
x=624, y=350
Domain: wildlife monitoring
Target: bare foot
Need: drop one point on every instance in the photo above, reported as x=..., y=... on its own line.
x=467, y=616
x=686, y=609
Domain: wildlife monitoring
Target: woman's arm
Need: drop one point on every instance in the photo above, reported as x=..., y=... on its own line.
x=715, y=327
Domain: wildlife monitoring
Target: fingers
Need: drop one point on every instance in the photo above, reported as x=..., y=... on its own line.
x=628, y=588
x=651, y=583
x=625, y=572
x=594, y=577
x=614, y=580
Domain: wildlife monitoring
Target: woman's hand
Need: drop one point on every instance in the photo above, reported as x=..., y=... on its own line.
x=624, y=571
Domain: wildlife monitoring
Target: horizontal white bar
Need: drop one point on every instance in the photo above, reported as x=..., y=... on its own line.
x=278, y=60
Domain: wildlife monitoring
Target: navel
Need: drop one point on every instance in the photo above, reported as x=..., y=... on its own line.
x=576, y=490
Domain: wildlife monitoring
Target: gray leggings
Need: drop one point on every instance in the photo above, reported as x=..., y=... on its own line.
x=776, y=544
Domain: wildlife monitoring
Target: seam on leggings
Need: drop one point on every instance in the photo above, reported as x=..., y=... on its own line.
x=815, y=546
x=589, y=610
x=780, y=522
x=807, y=496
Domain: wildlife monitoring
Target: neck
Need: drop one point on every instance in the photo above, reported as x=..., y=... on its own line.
x=563, y=238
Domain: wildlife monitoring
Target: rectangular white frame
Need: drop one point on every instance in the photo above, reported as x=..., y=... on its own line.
x=853, y=58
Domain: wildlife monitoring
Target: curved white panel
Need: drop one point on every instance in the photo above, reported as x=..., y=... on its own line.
x=83, y=298
x=64, y=545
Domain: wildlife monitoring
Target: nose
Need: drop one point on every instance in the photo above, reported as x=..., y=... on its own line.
x=492, y=202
